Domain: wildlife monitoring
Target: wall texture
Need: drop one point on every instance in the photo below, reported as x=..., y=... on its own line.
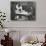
x=40, y=14
x=26, y=26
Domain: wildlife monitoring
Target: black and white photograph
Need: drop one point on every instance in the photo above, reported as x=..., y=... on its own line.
x=23, y=10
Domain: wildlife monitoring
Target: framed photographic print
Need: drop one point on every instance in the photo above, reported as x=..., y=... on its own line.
x=23, y=10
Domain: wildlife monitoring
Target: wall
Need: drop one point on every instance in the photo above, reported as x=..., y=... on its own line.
x=38, y=25
x=40, y=15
